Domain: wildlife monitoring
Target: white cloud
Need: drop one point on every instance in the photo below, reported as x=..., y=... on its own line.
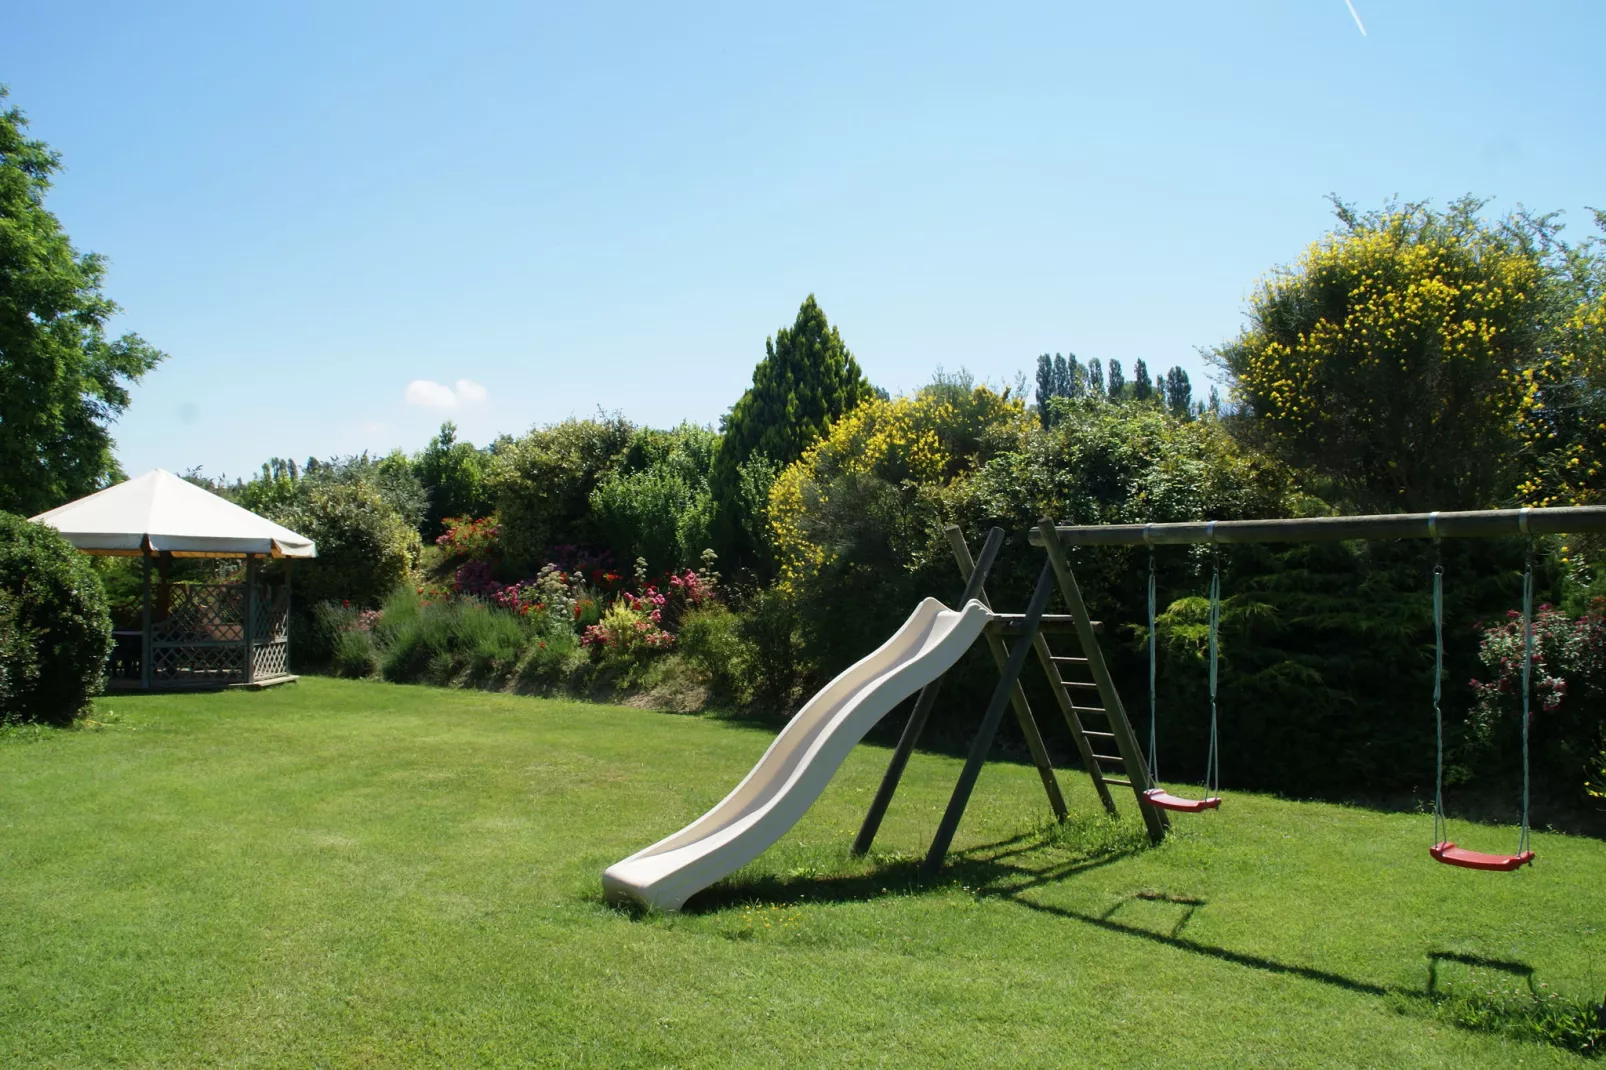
x=433, y=395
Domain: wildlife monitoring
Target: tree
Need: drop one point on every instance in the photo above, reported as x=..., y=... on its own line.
x=1142, y=389
x=1095, y=378
x=1067, y=376
x=1117, y=388
x=453, y=476
x=806, y=381
x=365, y=549
x=1390, y=358
x=62, y=381
x=1562, y=415
x=1047, y=386
x=1057, y=377
x=541, y=485
x=1178, y=392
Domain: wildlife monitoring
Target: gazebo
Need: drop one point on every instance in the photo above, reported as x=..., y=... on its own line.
x=191, y=635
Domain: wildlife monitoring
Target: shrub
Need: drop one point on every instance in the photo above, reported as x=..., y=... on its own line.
x=433, y=642
x=629, y=629
x=541, y=485
x=1567, y=732
x=711, y=640
x=469, y=539
x=55, y=632
x=355, y=655
x=656, y=514
x=772, y=631
x=365, y=548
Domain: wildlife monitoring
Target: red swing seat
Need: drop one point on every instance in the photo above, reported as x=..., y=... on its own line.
x=1451, y=855
x=1166, y=801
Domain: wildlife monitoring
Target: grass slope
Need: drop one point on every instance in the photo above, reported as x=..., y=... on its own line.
x=355, y=874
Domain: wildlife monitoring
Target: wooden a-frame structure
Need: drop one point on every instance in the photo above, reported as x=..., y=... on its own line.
x=1012, y=637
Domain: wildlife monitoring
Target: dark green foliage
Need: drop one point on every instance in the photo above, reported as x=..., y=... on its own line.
x=541, y=485
x=711, y=640
x=772, y=632
x=436, y=642
x=62, y=381
x=55, y=633
x=656, y=503
x=452, y=475
x=806, y=380
x=1142, y=389
x=1327, y=661
x=1047, y=386
x=1178, y=393
x=364, y=548
x=1057, y=377
x=1117, y=387
x=1094, y=378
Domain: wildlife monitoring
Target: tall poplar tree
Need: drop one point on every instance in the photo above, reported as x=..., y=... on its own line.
x=1142, y=388
x=62, y=381
x=1117, y=388
x=806, y=380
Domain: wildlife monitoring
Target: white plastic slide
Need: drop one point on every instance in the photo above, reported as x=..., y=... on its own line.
x=799, y=763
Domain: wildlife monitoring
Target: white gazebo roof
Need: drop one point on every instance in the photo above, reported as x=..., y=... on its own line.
x=161, y=512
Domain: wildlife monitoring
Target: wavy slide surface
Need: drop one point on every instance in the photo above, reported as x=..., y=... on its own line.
x=799, y=763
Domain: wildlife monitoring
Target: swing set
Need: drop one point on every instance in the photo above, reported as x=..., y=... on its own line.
x=1080, y=680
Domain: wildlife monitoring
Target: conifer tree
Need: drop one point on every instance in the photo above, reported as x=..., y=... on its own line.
x=806, y=380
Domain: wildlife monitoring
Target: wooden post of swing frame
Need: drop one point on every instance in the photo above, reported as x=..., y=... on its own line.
x=1017, y=697
x=989, y=723
x=922, y=711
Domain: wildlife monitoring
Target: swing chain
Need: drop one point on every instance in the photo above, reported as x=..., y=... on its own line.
x=1527, y=676
x=1213, y=761
x=1154, y=758
x=1440, y=831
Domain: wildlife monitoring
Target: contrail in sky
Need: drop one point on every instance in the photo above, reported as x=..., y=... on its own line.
x=1359, y=25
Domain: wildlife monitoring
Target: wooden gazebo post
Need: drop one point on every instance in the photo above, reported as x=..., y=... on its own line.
x=248, y=628
x=145, y=668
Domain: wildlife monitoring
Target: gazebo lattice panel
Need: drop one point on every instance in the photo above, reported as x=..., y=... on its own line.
x=203, y=613
x=202, y=638
x=194, y=663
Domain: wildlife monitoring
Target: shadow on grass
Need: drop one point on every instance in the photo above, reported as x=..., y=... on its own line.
x=898, y=876
x=1525, y=1011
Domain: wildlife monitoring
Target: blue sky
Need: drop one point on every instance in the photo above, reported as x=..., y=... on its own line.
x=543, y=209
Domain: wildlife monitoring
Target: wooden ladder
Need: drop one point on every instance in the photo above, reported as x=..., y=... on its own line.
x=1081, y=687
x=1090, y=693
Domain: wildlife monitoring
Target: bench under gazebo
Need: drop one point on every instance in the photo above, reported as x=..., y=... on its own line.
x=190, y=635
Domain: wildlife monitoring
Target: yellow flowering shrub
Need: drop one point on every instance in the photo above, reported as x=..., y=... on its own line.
x=1562, y=415
x=1388, y=356
x=887, y=461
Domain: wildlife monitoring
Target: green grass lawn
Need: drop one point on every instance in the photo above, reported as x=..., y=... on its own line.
x=338, y=874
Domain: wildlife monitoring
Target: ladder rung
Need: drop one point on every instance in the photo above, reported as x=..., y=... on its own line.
x=1083, y=684
x=1109, y=758
x=1067, y=660
x=1090, y=709
x=1118, y=780
x=1101, y=735
x=1015, y=623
